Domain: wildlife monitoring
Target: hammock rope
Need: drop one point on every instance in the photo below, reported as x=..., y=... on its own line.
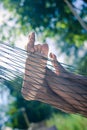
x=9, y=52
x=12, y=65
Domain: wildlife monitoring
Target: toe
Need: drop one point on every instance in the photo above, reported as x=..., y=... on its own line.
x=45, y=49
x=31, y=42
x=53, y=56
x=38, y=48
x=35, y=48
x=54, y=63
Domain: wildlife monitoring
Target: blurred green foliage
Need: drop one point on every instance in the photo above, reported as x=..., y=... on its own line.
x=68, y=122
x=35, y=110
x=83, y=65
x=50, y=17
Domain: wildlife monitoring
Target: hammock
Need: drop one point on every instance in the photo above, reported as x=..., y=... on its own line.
x=12, y=65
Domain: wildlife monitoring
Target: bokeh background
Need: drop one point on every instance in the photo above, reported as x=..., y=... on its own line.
x=66, y=33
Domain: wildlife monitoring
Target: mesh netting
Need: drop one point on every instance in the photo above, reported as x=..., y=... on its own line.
x=67, y=92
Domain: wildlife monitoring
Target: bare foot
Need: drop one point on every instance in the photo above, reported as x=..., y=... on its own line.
x=63, y=87
x=35, y=85
x=59, y=70
x=35, y=68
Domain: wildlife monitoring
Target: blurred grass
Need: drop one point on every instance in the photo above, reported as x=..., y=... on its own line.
x=68, y=122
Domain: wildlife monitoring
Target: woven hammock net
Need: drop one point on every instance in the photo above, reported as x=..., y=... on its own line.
x=59, y=92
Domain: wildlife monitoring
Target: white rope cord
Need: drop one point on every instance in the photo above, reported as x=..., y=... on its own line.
x=12, y=65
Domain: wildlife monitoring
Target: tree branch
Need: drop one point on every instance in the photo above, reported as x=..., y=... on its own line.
x=82, y=23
